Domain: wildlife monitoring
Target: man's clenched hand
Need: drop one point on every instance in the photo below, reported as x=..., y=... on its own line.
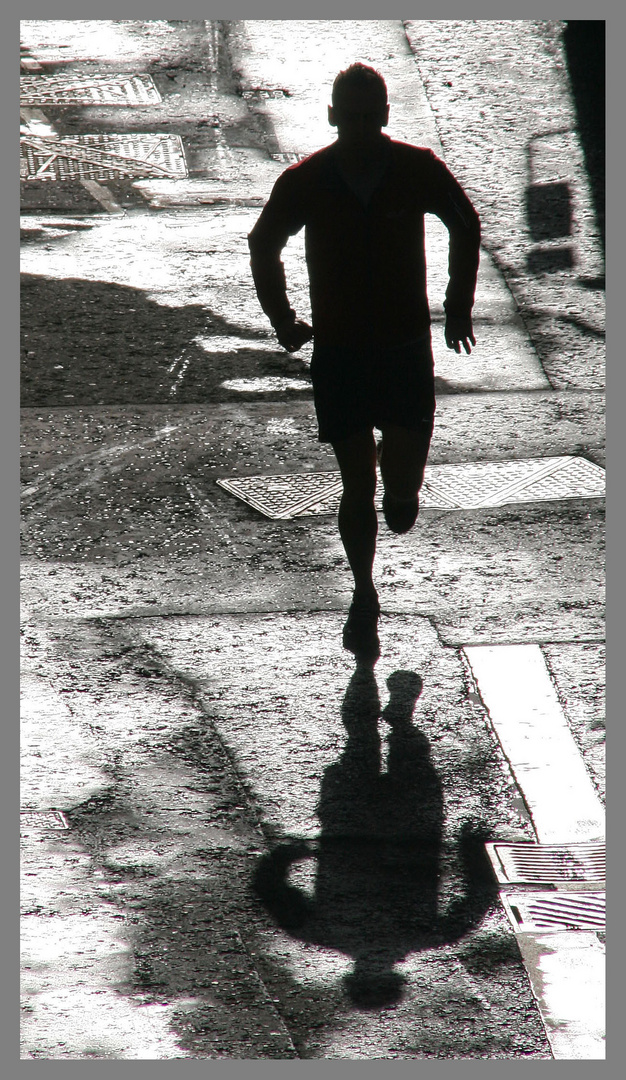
x=459, y=332
x=293, y=333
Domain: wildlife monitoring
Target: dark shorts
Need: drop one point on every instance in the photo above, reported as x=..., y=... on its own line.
x=360, y=389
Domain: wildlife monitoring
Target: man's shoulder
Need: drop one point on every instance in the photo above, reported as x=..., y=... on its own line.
x=307, y=167
x=408, y=154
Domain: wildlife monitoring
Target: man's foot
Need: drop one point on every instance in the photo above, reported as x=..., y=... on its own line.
x=360, y=633
x=400, y=514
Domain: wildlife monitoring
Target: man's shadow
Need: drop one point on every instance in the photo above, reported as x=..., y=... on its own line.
x=379, y=856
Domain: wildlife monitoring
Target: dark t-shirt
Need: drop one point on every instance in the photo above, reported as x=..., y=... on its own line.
x=366, y=263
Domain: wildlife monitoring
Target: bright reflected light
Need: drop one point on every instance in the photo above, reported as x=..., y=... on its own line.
x=265, y=386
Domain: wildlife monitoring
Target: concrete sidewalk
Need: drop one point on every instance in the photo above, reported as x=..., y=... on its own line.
x=238, y=879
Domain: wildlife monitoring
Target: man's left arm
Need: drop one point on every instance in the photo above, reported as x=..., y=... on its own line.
x=450, y=203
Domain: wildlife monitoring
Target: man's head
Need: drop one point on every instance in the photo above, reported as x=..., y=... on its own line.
x=359, y=107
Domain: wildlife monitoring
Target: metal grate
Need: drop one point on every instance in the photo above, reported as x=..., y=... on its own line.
x=265, y=92
x=74, y=89
x=288, y=157
x=288, y=496
x=102, y=157
x=467, y=486
x=554, y=863
x=47, y=819
x=475, y=485
x=533, y=912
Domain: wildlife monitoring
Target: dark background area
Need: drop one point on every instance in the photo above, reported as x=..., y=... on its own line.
x=584, y=41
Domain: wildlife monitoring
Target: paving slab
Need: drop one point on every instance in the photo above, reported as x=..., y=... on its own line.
x=578, y=673
x=253, y=434
x=475, y=74
x=516, y=688
x=118, y=489
x=195, y=745
x=309, y=54
x=93, y=966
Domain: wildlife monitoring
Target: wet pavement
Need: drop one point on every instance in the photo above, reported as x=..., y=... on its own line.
x=272, y=853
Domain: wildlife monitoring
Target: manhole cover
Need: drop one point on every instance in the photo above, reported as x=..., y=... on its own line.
x=467, y=486
x=554, y=863
x=102, y=157
x=46, y=819
x=74, y=89
x=555, y=911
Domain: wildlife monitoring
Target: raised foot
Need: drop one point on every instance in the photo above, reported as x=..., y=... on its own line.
x=400, y=514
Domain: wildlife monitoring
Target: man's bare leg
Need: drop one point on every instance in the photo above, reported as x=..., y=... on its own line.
x=358, y=527
x=402, y=463
x=358, y=521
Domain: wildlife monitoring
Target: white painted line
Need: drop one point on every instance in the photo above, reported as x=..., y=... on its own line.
x=567, y=976
x=525, y=712
x=566, y=969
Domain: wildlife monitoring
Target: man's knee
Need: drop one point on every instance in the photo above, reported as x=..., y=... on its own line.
x=403, y=461
x=359, y=485
x=357, y=461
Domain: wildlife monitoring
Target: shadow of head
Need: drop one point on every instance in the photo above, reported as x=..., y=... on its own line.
x=371, y=987
x=404, y=689
x=362, y=702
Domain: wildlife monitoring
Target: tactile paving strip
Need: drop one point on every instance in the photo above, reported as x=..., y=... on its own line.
x=537, y=912
x=102, y=157
x=467, y=486
x=47, y=819
x=554, y=863
x=75, y=89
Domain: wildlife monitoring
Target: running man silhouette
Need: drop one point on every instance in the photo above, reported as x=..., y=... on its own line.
x=362, y=202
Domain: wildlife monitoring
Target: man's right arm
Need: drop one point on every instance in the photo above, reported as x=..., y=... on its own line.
x=279, y=220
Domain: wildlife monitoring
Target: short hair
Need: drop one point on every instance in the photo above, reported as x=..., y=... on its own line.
x=360, y=77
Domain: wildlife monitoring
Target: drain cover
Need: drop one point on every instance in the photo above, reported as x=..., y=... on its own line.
x=102, y=157
x=47, y=819
x=554, y=863
x=288, y=496
x=467, y=486
x=555, y=911
x=474, y=485
x=74, y=89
